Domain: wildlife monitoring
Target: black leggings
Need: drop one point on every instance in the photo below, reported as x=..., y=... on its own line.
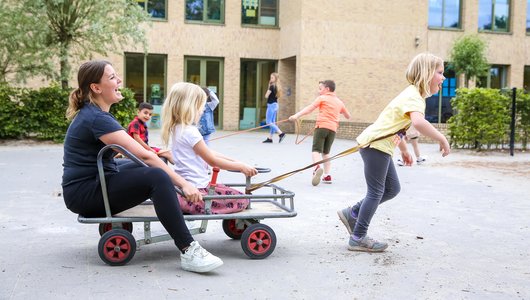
x=128, y=188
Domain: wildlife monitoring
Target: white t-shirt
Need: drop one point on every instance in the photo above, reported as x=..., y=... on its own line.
x=188, y=164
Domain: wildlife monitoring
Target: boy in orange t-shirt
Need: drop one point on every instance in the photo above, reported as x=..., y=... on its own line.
x=330, y=107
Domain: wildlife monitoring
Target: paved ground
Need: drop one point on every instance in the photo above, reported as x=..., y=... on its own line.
x=460, y=229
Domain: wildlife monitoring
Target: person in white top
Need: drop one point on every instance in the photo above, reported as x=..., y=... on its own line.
x=180, y=114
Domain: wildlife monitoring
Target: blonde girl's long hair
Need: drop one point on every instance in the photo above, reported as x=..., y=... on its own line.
x=421, y=71
x=89, y=72
x=278, y=85
x=183, y=106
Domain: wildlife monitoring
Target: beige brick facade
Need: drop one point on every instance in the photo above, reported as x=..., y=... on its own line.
x=364, y=46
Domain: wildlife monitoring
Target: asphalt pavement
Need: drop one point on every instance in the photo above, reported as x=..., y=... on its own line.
x=459, y=229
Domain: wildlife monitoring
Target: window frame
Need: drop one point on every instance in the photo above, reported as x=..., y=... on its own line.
x=503, y=74
x=205, y=19
x=146, y=9
x=145, y=74
x=494, y=28
x=443, y=26
x=258, y=15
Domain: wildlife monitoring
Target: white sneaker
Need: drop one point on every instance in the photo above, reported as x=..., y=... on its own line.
x=197, y=259
x=400, y=162
x=420, y=160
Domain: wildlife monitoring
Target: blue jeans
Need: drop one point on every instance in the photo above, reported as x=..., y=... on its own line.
x=383, y=184
x=270, y=117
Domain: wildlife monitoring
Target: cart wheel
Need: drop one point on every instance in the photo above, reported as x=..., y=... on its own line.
x=258, y=241
x=104, y=227
x=117, y=247
x=231, y=230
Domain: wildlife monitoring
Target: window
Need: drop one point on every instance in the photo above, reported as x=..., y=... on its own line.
x=528, y=17
x=259, y=12
x=156, y=8
x=438, y=106
x=210, y=11
x=145, y=75
x=444, y=13
x=207, y=72
x=496, y=78
x=494, y=15
x=526, y=79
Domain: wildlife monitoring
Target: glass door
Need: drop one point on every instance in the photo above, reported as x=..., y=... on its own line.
x=207, y=72
x=254, y=84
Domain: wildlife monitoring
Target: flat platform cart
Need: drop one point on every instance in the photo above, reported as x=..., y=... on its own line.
x=117, y=244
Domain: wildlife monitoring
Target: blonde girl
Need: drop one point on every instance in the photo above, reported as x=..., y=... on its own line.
x=180, y=114
x=425, y=75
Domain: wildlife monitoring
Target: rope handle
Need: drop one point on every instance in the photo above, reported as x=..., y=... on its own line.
x=351, y=150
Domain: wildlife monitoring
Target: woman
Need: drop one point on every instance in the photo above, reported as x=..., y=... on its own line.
x=273, y=93
x=92, y=128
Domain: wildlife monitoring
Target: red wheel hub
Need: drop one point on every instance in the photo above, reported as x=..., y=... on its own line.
x=259, y=241
x=117, y=248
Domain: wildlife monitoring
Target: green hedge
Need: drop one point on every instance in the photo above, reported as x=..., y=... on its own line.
x=40, y=114
x=483, y=116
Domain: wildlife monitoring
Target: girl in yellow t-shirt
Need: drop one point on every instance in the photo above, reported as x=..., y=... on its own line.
x=425, y=75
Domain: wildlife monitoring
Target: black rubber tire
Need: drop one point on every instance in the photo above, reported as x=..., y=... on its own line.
x=117, y=247
x=258, y=241
x=229, y=227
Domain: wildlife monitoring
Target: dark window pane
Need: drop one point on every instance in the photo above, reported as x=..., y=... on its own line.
x=264, y=12
x=214, y=10
x=526, y=80
x=194, y=10
x=134, y=75
x=157, y=8
x=156, y=79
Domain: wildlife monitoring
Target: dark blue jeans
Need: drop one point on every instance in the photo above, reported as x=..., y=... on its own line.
x=382, y=185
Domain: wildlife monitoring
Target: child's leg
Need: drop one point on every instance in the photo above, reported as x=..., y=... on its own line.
x=383, y=184
x=328, y=142
x=415, y=147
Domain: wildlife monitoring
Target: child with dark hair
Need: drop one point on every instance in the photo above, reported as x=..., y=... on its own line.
x=137, y=129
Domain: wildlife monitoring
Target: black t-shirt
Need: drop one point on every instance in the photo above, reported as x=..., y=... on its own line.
x=272, y=96
x=82, y=144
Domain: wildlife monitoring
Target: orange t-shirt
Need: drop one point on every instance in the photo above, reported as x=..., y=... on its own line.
x=330, y=107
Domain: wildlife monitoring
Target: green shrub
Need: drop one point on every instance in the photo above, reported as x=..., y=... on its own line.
x=482, y=118
x=26, y=113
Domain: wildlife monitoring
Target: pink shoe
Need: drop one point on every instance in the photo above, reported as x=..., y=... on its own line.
x=327, y=179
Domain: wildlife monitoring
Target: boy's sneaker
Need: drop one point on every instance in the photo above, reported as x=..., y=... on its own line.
x=282, y=136
x=420, y=160
x=197, y=259
x=366, y=244
x=317, y=174
x=400, y=162
x=267, y=140
x=327, y=179
x=347, y=219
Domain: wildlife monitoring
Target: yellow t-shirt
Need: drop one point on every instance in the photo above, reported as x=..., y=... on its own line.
x=393, y=118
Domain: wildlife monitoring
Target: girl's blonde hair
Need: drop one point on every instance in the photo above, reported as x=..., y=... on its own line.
x=183, y=106
x=421, y=71
x=278, y=85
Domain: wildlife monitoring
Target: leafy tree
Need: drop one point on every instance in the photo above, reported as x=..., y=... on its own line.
x=70, y=30
x=468, y=57
x=20, y=55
